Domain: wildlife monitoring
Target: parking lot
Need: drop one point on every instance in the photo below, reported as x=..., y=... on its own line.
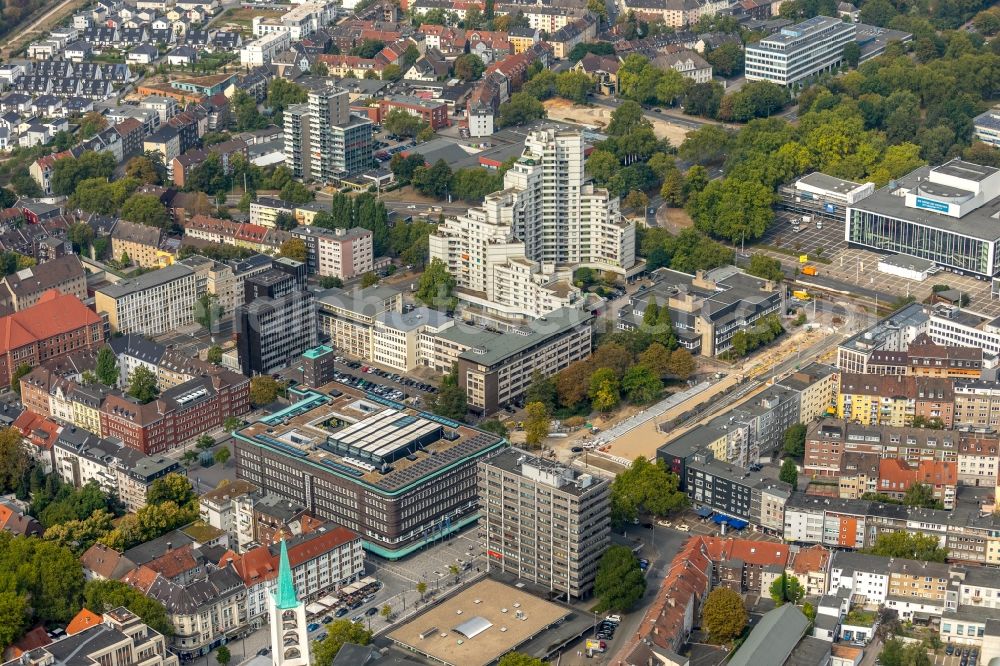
x=809, y=240
x=382, y=382
x=964, y=656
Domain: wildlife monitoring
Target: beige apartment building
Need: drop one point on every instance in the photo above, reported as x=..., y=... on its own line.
x=347, y=317
x=342, y=253
x=543, y=522
x=151, y=304
x=24, y=288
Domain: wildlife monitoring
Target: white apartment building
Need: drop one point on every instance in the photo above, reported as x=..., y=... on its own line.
x=261, y=51
x=396, y=336
x=230, y=508
x=799, y=51
x=342, y=253
x=864, y=575
x=299, y=23
x=154, y=303
x=513, y=255
x=80, y=457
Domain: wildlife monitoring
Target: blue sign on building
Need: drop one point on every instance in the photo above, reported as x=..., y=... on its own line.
x=829, y=207
x=931, y=204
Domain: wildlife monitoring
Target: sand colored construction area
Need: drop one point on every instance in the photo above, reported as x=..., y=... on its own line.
x=599, y=117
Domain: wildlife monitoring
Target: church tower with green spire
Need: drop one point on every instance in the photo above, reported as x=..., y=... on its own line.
x=289, y=632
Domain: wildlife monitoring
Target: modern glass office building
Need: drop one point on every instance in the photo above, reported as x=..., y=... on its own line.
x=946, y=214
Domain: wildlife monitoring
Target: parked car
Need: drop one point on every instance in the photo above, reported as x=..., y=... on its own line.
x=341, y=612
x=371, y=611
x=312, y=627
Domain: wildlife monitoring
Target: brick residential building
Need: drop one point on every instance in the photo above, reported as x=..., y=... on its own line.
x=895, y=400
x=178, y=414
x=435, y=114
x=55, y=326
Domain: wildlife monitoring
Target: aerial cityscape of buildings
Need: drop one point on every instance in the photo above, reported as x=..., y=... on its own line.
x=640, y=333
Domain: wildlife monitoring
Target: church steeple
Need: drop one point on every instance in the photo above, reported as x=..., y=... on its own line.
x=289, y=630
x=285, y=596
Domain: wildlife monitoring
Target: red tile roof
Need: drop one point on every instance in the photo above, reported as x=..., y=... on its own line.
x=32, y=639
x=260, y=564
x=83, y=620
x=174, y=562
x=54, y=314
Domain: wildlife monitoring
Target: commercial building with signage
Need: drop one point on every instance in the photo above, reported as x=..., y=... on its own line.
x=399, y=477
x=945, y=214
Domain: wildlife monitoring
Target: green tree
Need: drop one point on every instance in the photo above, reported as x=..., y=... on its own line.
x=214, y=354
x=369, y=279
x=896, y=653
x=222, y=654
x=421, y=589
x=231, y=423
x=574, y=86
x=786, y=588
x=399, y=122
x=14, y=460
x=604, y=390
x=619, y=584
x=852, y=52
x=142, y=384
x=339, y=632
x=706, y=145
x=626, y=119
x=293, y=248
x=282, y=93
x=765, y=267
x=541, y=389
x=263, y=390
x=245, y=111
x=723, y=614
x=81, y=235
x=641, y=385
x=519, y=110
x=726, y=59
x=437, y=286
x=392, y=72
x=657, y=358
x=14, y=611
x=330, y=282
x=107, y=367
x=146, y=209
x=682, y=364
x=101, y=596
x=403, y=167
x=433, y=181
x=67, y=172
x=148, y=169
x=15, y=379
x=789, y=473
x=536, y=424
x=469, y=67
x=646, y=487
x=795, y=440
x=450, y=401
x=921, y=495
x=174, y=488
x=732, y=209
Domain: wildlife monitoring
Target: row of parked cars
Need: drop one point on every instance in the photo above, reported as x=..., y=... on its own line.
x=378, y=372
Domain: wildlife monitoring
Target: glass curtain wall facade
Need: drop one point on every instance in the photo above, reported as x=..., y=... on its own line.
x=887, y=234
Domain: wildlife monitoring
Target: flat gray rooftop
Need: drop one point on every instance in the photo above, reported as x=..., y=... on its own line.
x=979, y=223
